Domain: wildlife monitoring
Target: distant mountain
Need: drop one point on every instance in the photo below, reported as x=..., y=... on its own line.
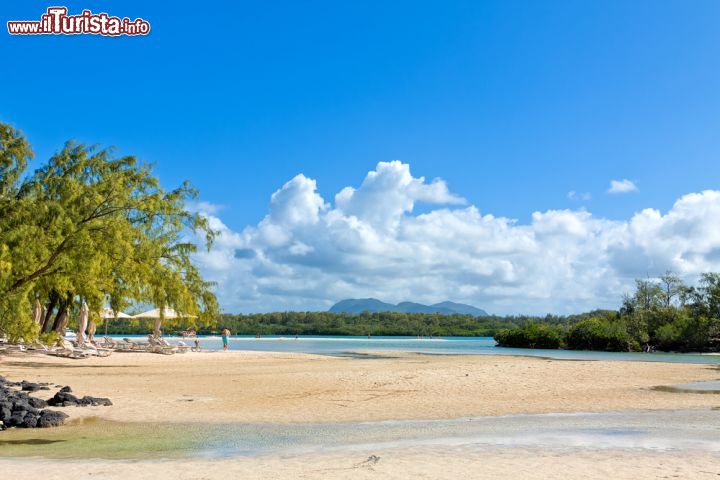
x=359, y=305
x=461, y=308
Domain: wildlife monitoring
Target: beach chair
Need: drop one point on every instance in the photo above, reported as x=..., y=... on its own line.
x=108, y=342
x=181, y=347
x=116, y=345
x=91, y=349
x=67, y=350
x=12, y=347
x=157, y=346
x=47, y=350
x=133, y=346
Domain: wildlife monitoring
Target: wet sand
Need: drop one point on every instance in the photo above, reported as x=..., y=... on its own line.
x=280, y=388
x=418, y=463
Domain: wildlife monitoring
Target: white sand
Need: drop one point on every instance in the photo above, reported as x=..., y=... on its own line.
x=278, y=388
x=420, y=463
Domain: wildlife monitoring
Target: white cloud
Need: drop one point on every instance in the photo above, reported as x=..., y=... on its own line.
x=579, y=196
x=622, y=186
x=307, y=253
x=388, y=193
x=199, y=206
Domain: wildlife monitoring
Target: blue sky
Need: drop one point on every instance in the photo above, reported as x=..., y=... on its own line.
x=513, y=104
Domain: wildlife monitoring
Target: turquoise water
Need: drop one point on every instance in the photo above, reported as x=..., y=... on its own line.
x=331, y=345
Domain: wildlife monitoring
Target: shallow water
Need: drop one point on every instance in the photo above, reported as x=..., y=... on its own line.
x=329, y=345
x=94, y=438
x=711, y=386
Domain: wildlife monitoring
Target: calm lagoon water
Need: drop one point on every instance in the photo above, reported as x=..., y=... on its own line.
x=663, y=430
x=358, y=346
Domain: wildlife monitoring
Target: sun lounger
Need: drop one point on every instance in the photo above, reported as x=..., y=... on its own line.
x=181, y=347
x=91, y=349
x=108, y=342
x=11, y=347
x=67, y=350
x=134, y=346
x=115, y=345
x=157, y=346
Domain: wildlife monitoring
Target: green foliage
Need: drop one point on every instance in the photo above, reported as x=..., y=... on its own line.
x=50, y=338
x=687, y=333
x=15, y=321
x=663, y=314
x=327, y=323
x=532, y=335
x=601, y=334
x=88, y=226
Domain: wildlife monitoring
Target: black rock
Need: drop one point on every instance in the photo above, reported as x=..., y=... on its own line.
x=37, y=402
x=63, y=399
x=30, y=421
x=24, y=407
x=18, y=409
x=29, y=386
x=21, y=398
x=50, y=418
x=16, y=419
x=5, y=413
x=96, y=401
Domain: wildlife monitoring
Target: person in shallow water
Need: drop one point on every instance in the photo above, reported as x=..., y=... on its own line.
x=225, y=337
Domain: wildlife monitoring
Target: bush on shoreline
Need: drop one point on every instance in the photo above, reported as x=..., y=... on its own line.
x=532, y=335
x=662, y=314
x=601, y=334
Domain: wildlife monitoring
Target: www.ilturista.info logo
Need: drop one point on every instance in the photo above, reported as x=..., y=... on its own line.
x=57, y=22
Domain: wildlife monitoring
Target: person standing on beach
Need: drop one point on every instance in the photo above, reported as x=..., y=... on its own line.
x=225, y=336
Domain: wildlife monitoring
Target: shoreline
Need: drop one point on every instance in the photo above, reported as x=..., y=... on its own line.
x=423, y=462
x=169, y=396
x=249, y=386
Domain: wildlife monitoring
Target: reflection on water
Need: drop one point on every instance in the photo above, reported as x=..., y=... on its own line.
x=29, y=441
x=665, y=430
x=711, y=386
x=328, y=345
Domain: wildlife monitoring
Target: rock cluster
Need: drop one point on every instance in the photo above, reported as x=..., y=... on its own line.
x=19, y=409
x=64, y=398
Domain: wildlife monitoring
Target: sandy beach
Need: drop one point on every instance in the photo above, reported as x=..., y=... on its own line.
x=281, y=388
x=420, y=463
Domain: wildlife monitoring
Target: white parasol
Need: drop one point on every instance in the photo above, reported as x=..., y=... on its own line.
x=168, y=313
x=83, y=323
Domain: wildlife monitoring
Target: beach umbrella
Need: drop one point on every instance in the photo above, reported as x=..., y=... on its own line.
x=37, y=312
x=168, y=313
x=110, y=313
x=83, y=322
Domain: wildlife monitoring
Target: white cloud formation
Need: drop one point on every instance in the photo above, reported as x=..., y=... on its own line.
x=622, y=186
x=579, y=196
x=306, y=253
x=196, y=206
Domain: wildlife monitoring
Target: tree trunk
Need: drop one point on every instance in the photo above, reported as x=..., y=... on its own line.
x=60, y=320
x=156, y=331
x=48, y=314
